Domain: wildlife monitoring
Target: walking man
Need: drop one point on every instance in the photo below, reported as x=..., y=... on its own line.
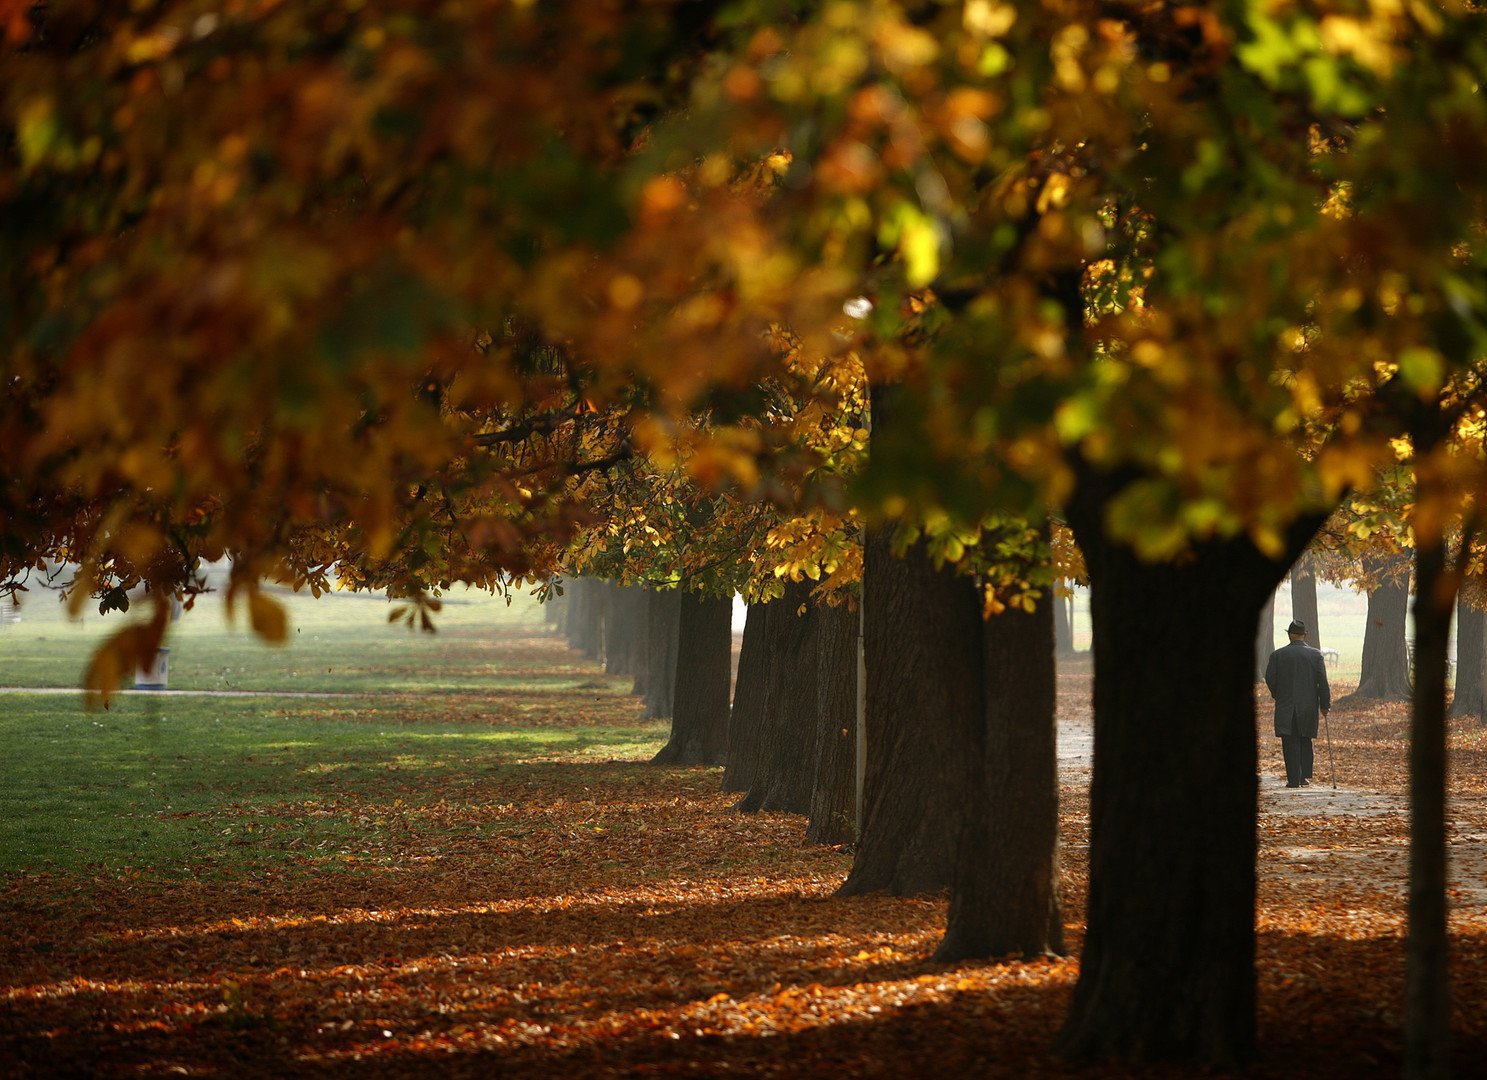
x=1297, y=677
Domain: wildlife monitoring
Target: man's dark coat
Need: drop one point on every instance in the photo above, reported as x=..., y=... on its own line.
x=1297, y=677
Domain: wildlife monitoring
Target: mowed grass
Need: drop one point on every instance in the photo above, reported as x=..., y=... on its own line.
x=340, y=642
x=292, y=778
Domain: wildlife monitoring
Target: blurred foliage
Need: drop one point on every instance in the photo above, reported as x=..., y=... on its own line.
x=400, y=294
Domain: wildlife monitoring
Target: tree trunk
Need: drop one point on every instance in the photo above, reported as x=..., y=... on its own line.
x=1063, y=624
x=785, y=767
x=1168, y=964
x=1469, y=698
x=1005, y=896
x=552, y=614
x=1427, y=1008
x=1264, y=638
x=1304, y=599
x=641, y=652
x=624, y=630
x=663, y=621
x=1386, y=665
x=922, y=637
x=704, y=663
x=750, y=688
x=834, y=794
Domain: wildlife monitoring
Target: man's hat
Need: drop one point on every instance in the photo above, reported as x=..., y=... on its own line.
x=1297, y=627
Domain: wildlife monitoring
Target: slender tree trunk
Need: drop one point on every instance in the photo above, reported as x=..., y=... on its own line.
x=1005, y=896
x=704, y=662
x=663, y=623
x=1304, y=599
x=1386, y=666
x=1468, y=698
x=785, y=768
x=1168, y=964
x=750, y=688
x=552, y=613
x=1265, y=638
x=1427, y=1007
x=1063, y=624
x=922, y=637
x=834, y=794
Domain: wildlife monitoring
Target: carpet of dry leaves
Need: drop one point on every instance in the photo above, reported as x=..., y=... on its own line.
x=623, y=921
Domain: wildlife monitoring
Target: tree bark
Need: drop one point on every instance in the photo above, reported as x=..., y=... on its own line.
x=1386, y=667
x=785, y=767
x=1469, y=698
x=624, y=630
x=834, y=794
x=641, y=686
x=1005, y=896
x=1264, y=638
x=663, y=621
x=922, y=637
x=750, y=688
x=1428, y=998
x=1063, y=624
x=1304, y=599
x=704, y=663
x=1427, y=1006
x=1168, y=964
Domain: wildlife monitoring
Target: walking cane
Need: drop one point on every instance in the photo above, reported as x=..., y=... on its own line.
x=1331, y=761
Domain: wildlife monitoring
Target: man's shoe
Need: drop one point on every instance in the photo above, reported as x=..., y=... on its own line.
x=1304, y=783
x=1294, y=785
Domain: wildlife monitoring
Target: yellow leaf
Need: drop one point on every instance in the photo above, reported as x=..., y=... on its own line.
x=267, y=617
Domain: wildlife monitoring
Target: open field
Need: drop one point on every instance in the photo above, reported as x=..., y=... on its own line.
x=460, y=865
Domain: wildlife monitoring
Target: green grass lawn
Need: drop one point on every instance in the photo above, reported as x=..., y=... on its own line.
x=341, y=642
x=204, y=784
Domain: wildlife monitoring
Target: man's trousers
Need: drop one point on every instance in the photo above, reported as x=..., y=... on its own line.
x=1297, y=752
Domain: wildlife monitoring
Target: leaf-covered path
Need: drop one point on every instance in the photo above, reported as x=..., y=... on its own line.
x=553, y=914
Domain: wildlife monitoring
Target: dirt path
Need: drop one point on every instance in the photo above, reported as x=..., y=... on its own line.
x=1342, y=837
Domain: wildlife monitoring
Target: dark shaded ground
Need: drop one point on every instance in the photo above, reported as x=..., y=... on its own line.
x=613, y=919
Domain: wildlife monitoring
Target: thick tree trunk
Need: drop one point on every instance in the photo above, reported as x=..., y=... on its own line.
x=1168, y=964
x=1063, y=624
x=1386, y=667
x=1005, y=896
x=1304, y=599
x=922, y=637
x=750, y=688
x=834, y=794
x=1469, y=698
x=704, y=662
x=663, y=622
x=1427, y=1006
x=785, y=768
x=1264, y=637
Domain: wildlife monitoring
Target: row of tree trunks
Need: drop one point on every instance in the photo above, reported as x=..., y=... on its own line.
x=1004, y=898
x=785, y=766
x=749, y=691
x=699, y=717
x=793, y=729
x=922, y=639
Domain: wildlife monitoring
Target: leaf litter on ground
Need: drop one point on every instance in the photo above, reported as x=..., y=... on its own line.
x=581, y=917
